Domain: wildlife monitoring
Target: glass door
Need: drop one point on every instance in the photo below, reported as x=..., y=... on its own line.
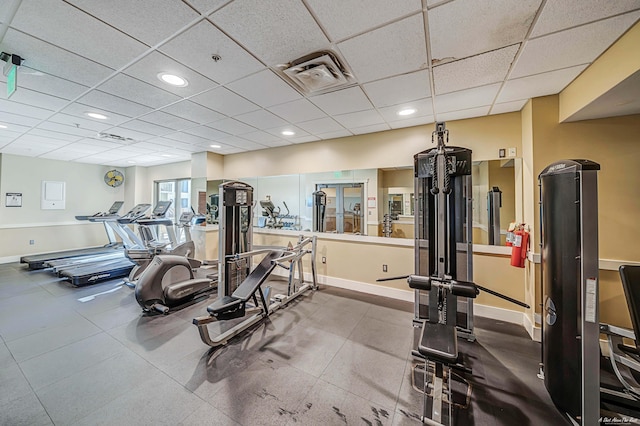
x=343, y=212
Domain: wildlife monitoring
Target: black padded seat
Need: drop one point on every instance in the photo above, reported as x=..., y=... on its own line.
x=225, y=303
x=439, y=343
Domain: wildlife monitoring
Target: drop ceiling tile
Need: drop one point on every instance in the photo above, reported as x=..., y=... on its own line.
x=576, y=46
x=185, y=138
x=7, y=136
x=63, y=154
x=40, y=82
x=207, y=6
x=501, y=108
x=462, y=114
x=77, y=113
x=112, y=104
x=410, y=122
x=487, y=68
x=231, y=126
x=370, y=129
x=261, y=137
x=193, y=112
x=148, y=68
x=478, y=27
x=65, y=26
x=395, y=49
x=162, y=18
x=265, y=89
x=342, y=101
x=14, y=119
x=168, y=120
x=561, y=14
x=196, y=45
x=134, y=135
x=225, y=102
x=304, y=139
x=276, y=31
x=548, y=83
x=63, y=123
x=205, y=132
x=277, y=131
x=101, y=145
x=84, y=148
x=335, y=134
x=465, y=99
x=143, y=126
x=36, y=99
x=55, y=135
x=46, y=58
x=346, y=18
x=359, y=119
x=163, y=142
x=321, y=125
x=235, y=141
x=423, y=107
x=138, y=91
x=399, y=89
x=34, y=141
x=297, y=111
x=11, y=128
x=12, y=107
x=261, y=119
x=27, y=151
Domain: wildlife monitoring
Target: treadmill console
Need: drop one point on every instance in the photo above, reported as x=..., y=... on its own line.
x=115, y=208
x=161, y=208
x=185, y=218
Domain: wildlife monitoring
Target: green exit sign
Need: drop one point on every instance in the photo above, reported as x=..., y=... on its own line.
x=11, y=81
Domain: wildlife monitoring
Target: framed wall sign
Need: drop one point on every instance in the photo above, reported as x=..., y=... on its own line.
x=14, y=199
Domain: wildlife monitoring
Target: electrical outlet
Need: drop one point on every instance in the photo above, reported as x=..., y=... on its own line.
x=324, y=259
x=511, y=152
x=32, y=242
x=384, y=268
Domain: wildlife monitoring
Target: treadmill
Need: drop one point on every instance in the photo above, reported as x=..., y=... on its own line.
x=91, y=273
x=39, y=261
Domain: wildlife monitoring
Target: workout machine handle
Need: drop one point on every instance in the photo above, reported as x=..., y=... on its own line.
x=457, y=288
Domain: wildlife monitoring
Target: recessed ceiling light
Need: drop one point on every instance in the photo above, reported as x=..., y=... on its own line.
x=407, y=111
x=288, y=133
x=215, y=146
x=96, y=115
x=173, y=80
x=131, y=162
x=167, y=155
x=2, y=126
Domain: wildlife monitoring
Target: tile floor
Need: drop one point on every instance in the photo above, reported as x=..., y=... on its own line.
x=86, y=356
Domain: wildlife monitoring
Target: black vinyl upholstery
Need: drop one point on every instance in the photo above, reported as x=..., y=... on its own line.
x=630, y=276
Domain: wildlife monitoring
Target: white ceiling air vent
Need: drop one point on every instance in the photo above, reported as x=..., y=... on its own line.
x=317, y=72
x=115, y=138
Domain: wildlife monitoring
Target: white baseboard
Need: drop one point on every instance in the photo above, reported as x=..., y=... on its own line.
x=534, y=330
x=486, y=311
x=9, y=259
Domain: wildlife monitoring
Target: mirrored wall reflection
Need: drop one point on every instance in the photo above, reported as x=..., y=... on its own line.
x=377, y=202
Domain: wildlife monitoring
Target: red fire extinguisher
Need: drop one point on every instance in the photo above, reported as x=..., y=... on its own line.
x=519, y=247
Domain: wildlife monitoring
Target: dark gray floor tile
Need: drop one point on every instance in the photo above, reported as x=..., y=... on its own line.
x=52, y=338
x=5, y=356
x=159, y=400
x=262, y=391
x=368, y=373
x=308, y=349
x=114, y=317
x=326, y=404
x=74, y=397
x=55, y=365
x=25, y=410
x=208, y=415
x=38, y=319
x=387, y=337
x=144, y=328
x=13, y=384
x=334, y=319
x=399, y=316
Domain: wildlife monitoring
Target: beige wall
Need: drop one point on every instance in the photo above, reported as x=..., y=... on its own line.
x=395, y=148
x=86, y=194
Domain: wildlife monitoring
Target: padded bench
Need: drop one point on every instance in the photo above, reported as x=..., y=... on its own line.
x=439, y=343
x=229, y=307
